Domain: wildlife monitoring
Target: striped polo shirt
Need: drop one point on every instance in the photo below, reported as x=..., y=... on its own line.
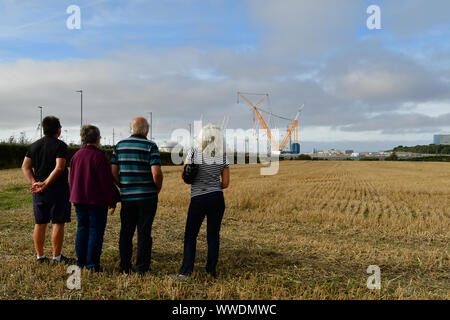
x=134, y=156
x=210, y=169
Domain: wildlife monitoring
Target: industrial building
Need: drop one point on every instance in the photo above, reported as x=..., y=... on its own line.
x=167, y=146
x=441, y=139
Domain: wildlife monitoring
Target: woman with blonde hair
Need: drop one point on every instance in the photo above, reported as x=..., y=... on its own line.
x=213, y=175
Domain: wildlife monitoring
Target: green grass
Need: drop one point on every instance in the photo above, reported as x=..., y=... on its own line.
x=15, y=197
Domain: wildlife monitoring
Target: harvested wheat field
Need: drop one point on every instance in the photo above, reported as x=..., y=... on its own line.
x=309, y=232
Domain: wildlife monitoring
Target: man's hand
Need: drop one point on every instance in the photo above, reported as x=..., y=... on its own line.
x=157, y=177
x=27, y=169
x=115, y=174
x=38, y=187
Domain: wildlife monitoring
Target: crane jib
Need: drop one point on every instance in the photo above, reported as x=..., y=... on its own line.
x=292, y=130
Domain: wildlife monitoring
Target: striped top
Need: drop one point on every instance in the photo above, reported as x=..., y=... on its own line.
x=210, y=168
x=134, y=156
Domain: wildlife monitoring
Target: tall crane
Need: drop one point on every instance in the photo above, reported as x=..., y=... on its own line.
x=261, y=120
x=292, y=130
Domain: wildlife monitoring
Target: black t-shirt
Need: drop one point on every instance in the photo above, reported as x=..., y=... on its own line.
x=43, y=154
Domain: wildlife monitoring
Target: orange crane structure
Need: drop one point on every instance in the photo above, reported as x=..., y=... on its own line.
x=291, y=132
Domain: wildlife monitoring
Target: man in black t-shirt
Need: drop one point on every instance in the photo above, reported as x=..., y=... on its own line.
x=50, y=188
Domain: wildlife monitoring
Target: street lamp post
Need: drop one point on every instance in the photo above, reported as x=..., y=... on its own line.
x=40, y=123
x=81, y=109
x=151, y=125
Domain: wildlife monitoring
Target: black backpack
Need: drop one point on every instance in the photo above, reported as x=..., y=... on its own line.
x=190, y=170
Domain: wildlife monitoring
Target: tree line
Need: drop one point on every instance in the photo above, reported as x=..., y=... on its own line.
x=429, y=149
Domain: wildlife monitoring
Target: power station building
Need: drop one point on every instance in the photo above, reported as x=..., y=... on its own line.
x=167, y=146
x=441, y=139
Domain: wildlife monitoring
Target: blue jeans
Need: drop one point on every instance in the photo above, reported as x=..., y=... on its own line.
x=91, y=228
x=211, y=205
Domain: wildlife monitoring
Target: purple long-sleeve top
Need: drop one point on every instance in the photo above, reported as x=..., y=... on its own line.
x=91, y=180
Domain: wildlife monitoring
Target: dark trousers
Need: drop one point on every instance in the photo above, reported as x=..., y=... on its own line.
x=137, y=214
x=211, y=205
x=90, y=232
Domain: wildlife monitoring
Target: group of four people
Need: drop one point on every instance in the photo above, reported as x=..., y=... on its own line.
x=92, y=186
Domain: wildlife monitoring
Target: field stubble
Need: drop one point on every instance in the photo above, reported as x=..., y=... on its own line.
x=309, y=232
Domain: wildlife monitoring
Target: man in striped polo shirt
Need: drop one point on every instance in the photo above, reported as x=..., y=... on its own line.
x=136, y=168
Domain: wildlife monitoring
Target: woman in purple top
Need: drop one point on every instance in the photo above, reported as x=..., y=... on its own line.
x=92, y=191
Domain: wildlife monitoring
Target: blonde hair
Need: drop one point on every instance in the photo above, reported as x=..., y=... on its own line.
x=211, y=140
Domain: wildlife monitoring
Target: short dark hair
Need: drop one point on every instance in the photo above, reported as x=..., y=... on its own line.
x=89, y=134
x=51, y=125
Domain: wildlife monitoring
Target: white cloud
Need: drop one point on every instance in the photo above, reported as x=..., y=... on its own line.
x=415, y=18
x=353, y=87
x=306, y=28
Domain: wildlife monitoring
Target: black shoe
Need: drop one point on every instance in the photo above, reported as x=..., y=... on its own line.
x=126, y=270
x=152, y=272
x=64, y=259
x=43, y=260
x=96, y=270
x=204, y=272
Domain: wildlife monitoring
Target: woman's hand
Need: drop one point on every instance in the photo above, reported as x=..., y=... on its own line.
x=225, y=178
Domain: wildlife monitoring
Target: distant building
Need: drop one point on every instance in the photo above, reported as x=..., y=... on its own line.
x=167, y=146
x=441, y=139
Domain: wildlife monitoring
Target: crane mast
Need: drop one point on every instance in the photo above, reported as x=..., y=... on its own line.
x=260, y=118
x=292, y=130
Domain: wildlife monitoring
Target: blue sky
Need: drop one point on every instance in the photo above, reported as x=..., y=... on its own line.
x=109, y=25
x=186, y=59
